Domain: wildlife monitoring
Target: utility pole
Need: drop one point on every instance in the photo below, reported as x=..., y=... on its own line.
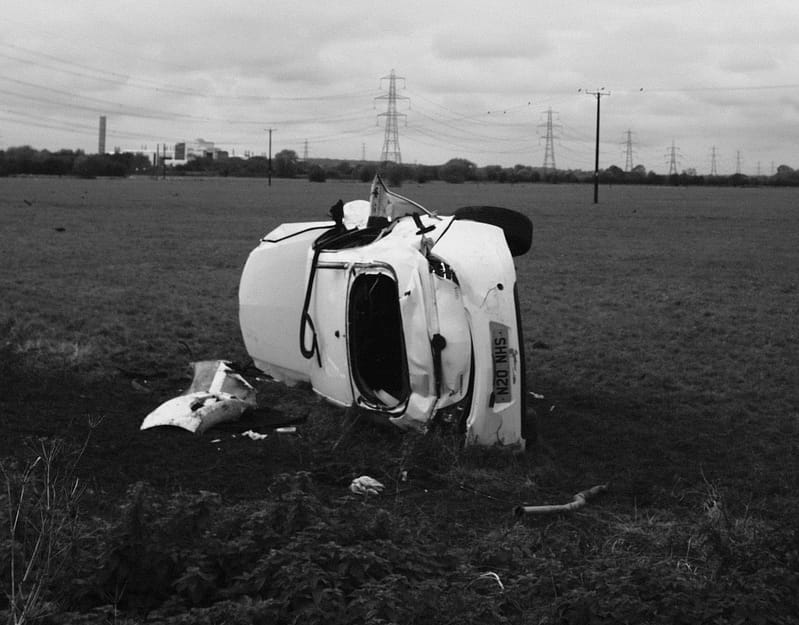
x=598, y=94
x=549, y=147
x=391, y=148
x=163, y=163
x=269, y=159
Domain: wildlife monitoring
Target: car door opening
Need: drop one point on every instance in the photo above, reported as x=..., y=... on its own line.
x=377, y=347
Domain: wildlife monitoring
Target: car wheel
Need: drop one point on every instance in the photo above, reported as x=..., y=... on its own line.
x=518, y=228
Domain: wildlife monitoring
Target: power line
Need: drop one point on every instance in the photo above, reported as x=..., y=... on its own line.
x=116, y=78
x=67, y=100
x=723, y=88
x=450, y=128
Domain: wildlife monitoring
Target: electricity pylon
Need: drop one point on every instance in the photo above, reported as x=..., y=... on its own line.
x=673, y=158
x=391, y=148
x=628, y=152
x=549, y=147
x=713, y=170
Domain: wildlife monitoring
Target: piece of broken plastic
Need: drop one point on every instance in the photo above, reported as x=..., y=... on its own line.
x=255, y=436
x=217, y=394
x=366, y=485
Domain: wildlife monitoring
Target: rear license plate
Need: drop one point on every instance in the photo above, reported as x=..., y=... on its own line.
x=500, y=351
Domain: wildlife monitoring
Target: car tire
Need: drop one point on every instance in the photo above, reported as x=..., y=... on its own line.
x=517, y=227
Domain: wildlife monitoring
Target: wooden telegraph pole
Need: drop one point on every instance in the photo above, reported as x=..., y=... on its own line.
x=598, y=94
x=269, y=160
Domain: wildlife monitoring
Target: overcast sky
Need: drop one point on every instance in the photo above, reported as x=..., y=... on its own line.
x=479, y=78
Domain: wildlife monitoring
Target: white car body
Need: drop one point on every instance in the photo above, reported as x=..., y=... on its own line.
x=407, y=318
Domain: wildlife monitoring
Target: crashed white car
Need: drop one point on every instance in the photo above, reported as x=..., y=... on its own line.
x=395, y=309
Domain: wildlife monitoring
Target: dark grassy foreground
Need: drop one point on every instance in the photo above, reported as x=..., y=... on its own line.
x=661, y=329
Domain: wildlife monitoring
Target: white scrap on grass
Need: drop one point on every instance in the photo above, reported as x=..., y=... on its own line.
x=255, y=436
x=493, y=576
x=579, y=500
x=366, y=485
x=217, y=394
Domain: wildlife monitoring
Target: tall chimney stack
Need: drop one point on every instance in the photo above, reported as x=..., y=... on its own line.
x=101, y=145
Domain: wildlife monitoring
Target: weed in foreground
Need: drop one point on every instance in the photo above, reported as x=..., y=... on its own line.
x=41, y=529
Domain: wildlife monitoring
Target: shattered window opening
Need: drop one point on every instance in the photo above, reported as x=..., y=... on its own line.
x=377, y=347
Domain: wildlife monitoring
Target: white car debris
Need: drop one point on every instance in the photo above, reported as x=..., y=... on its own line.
x=216, y=394
x=254, y=436
x=366, y=485
x=395, y=309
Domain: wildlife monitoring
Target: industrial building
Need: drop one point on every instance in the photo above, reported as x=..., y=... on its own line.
x=199, y=148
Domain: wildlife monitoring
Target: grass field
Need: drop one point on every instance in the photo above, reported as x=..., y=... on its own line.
x=660, y=327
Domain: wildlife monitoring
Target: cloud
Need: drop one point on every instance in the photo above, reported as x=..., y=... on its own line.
x=473, y=44
x=747, y=61
x=225, y=70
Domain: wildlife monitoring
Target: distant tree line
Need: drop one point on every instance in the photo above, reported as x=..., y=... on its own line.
x=26, y=160
x=785, y=176
x=286, y=164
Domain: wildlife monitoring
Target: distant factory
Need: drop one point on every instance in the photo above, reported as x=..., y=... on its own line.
x=181, y=153
x=199, y=148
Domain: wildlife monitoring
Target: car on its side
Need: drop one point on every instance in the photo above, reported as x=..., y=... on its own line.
x=395, y=309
